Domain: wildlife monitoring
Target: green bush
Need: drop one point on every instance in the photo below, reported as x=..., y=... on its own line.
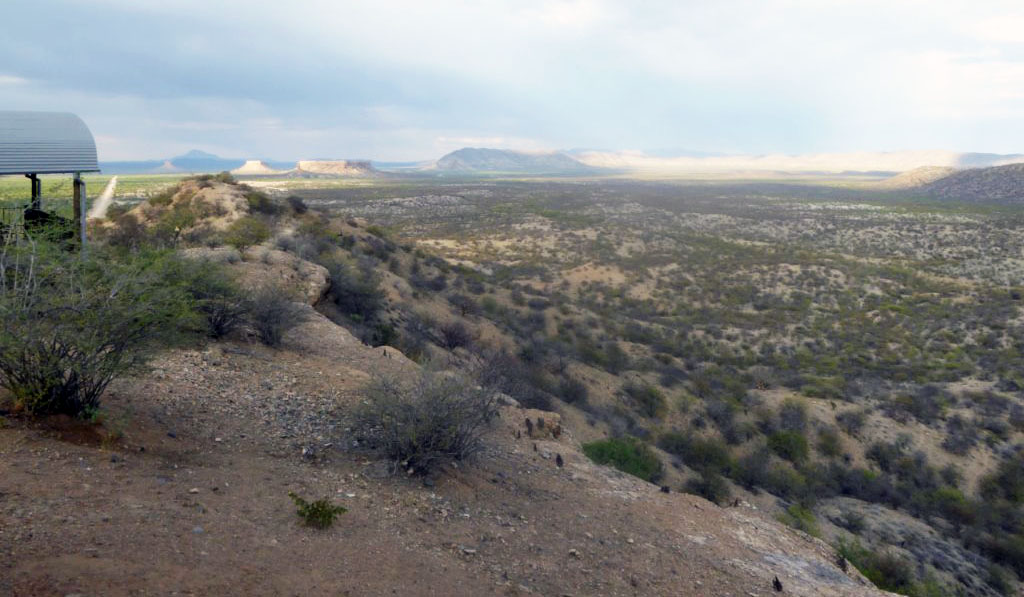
x=70, y=324
x=627, y=454
x=215, y=296
x=791, y=445
x=437, y=418
x=319, y=514
x=246, y=232
x=700, y=454
x=885, y=569
x=573, y=391
x=710, y=486
x=648, y=399
x=829, y=443
x=356, y=291
x=263, y=204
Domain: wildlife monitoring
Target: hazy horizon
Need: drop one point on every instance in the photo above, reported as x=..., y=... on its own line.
x=407, y=81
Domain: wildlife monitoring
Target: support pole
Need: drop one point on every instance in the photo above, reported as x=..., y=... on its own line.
x=79, y=206
x=37, y=191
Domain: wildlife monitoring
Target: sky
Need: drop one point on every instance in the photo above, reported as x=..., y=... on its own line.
x=412, y=80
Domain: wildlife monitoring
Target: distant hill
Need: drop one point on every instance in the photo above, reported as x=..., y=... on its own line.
x=470, y=159
x=914, y=178
x=1000, y=184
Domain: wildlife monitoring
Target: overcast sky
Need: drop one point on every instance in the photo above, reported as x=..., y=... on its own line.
x=412, y=80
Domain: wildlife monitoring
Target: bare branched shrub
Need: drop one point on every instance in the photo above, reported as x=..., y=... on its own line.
x=456, y=335
x=272, y=312
x=437, y=418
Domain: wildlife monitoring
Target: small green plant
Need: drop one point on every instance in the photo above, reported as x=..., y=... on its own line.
x=319, y=514
x=627, y=454
x=791, y=445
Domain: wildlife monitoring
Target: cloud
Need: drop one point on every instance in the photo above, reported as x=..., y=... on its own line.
x=404, y=80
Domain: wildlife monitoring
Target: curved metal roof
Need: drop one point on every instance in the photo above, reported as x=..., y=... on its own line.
x=45, y=143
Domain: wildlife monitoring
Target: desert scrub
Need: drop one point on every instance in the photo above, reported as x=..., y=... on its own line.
x=436, y=418
x=246, y=232
x=70, y=324
x=319, y=514
x=272, y=312
x=627, y=454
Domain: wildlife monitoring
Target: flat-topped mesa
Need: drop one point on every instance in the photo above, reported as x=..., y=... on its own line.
x=337, y=167
x=254, y=167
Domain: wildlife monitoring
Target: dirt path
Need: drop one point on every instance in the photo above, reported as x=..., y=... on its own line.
x=99, y=208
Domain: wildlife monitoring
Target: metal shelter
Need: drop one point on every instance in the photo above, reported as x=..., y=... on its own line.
x=34, y=143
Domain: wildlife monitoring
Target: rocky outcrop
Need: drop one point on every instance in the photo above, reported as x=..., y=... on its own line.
x=260, y=266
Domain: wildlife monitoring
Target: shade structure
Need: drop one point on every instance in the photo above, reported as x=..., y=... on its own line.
x=45, y=143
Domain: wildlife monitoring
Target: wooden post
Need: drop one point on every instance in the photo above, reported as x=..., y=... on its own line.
x=79, y=206
x=37, y=191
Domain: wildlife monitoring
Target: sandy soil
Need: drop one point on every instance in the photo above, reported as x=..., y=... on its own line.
x=191, y=499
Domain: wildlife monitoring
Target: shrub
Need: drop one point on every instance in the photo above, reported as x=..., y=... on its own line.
x=710, y=486
x=1007, y=481
x=356, y=291
x=627, y=454
x=961, y=435
x=455, y=334
x=246, y=232
x=465, y=305
x=648, y=399
x=829, y=443
x=297, y=204
x=700, y=454
x=263, y=204
x=791, y=445
x=319, y=514
x=70, y=324
x=852, y=421
x=435, y=419
x=216, y=297
x=272, y=313
x=793, y=416
x=885, y=569
x=573, y=391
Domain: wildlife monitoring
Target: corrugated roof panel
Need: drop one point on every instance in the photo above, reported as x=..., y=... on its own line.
x=45, y=143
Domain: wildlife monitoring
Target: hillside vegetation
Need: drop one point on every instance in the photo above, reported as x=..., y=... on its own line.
x=284, y=425
x=852, y=368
